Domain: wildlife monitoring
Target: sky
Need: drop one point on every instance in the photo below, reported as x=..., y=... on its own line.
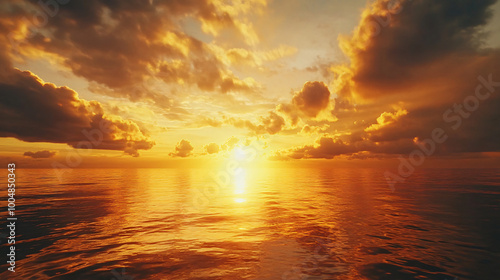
x=160, y=83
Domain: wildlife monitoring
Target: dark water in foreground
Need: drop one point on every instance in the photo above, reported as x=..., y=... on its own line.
x=304, y=223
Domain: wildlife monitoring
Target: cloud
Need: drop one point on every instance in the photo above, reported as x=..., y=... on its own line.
x=313, y=98
x=205, y=72
x=40, y=154
x=230, y=143
x=183, y=149
x=270, y=124
x=242, y=56
x=329, y=147
x=414, y=67
x=409, y=65
x=393, y=47
x=212, y=148
x=326, y=147
x=119, y=46
x=230, y=14
x=202, y=121
x=290, y=112
x=385, y=119
x=34, y=111
x=278, y=155
x=312, y=129
x=311, y=102
x=428, y=57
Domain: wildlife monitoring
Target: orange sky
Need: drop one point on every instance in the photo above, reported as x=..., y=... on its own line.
x=161, y=83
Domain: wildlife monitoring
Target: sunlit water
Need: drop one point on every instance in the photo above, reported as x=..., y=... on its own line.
x=288, y=223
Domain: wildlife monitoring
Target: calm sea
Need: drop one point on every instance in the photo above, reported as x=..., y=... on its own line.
x=277, y=223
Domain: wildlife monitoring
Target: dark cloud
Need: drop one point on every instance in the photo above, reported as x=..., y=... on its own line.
x=40, y=154
x=120, y=44
x=306, y=104
x=408, y=69
x=34, y=111
x=183, y=149
x=391, y=48
x=414, y=71
x=313, y=98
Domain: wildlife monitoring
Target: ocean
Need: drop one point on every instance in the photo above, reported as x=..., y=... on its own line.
x=275, y=223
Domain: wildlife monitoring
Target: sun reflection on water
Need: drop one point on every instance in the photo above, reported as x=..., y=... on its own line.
x=240, y=184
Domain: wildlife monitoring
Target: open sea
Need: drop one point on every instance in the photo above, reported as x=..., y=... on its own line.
x=263, y=224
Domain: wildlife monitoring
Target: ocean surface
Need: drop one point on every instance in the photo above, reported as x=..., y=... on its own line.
x=276, y=223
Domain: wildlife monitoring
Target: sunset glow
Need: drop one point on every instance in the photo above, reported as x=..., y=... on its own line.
x=190, y=86
x=250, y=139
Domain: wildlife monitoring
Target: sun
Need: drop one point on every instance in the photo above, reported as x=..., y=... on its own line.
x=239, y=154
x=245, y=154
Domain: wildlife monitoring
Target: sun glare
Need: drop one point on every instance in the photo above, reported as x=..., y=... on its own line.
x=239, y=154
x=239, y=200
x=239, y=181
